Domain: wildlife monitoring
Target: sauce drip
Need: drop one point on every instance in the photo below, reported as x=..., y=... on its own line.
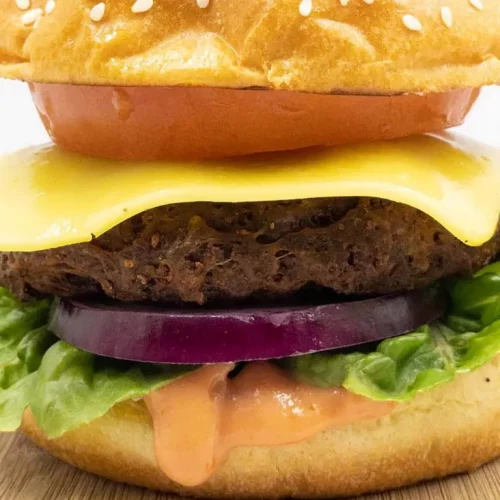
x=199, y=418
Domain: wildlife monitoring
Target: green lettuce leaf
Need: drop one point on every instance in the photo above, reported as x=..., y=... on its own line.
x=23, y=341
x=64, y=386
x=476, y=301
x=16, y=320
x=74, y=387
x=400, y=367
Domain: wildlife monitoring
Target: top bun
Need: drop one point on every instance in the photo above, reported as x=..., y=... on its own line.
x=341, y=46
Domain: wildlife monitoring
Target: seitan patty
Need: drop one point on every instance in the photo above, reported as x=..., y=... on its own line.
x=206, y=252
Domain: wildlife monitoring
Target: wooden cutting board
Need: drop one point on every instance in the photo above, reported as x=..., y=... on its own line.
x=27, y=473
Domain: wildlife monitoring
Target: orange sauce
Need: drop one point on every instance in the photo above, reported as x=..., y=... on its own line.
x=199, y=418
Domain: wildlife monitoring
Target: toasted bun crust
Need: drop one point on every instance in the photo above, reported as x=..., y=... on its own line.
x=454, y=428
x=357, y=48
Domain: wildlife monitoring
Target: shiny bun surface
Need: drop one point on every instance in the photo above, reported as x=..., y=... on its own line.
x=339, y=46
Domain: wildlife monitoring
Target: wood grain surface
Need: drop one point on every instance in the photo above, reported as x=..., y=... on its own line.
x=27, y=473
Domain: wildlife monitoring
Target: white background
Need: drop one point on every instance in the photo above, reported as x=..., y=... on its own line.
x=20, y=126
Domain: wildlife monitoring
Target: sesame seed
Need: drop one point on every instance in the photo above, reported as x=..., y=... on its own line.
x=31, y=16
x=202, y=4
x=344, y=2
x=23, y=4
x=305, y=7
x=37, y=22
x=412, y=23
x=477, y=4
x=97, y=12
x=447, y=16
x=141, y=6
x=369, y=2
x=50, y=6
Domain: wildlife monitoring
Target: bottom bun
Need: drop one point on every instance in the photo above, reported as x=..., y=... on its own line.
x=454, y=428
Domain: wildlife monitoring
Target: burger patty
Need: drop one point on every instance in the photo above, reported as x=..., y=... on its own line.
x=209, y=253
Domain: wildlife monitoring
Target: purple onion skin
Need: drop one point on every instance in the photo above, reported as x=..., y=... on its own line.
x=153, y=335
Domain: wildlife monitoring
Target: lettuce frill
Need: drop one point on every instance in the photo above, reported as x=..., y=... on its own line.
x=398, y=368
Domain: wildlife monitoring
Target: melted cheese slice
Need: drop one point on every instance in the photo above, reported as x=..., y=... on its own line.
x=50, y=198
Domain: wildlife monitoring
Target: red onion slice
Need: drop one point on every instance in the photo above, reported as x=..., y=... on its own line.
x=201, y=336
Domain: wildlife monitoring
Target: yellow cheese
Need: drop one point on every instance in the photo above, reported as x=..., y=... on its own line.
x=50, y=198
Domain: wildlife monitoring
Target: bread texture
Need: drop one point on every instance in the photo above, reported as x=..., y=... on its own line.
x=451, y=429
x=384, y=47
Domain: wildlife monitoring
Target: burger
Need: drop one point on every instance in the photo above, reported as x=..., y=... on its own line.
x=252, y=263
